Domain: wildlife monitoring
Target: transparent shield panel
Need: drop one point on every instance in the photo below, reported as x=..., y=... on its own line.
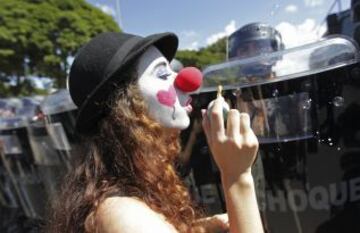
x=58, y=136
x=17, y=112
x=42, y=147
x=12, y=123
x=11, y=144
x=327, y=54
x=58, y=102
x=278, y=119
x=280, y=115
x=9, y=195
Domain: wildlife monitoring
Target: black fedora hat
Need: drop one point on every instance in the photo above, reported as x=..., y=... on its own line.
x=98, y=66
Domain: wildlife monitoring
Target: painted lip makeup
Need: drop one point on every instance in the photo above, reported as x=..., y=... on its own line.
x=189, y=108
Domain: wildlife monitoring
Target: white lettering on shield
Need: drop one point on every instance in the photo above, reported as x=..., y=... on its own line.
x=317, y=198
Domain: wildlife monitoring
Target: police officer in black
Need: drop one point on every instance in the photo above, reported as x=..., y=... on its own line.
x=249, y=41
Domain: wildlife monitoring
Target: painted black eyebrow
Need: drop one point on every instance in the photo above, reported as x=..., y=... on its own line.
x=158, y=65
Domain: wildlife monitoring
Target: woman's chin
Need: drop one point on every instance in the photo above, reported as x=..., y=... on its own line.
x=183, y=124
x=179, y=124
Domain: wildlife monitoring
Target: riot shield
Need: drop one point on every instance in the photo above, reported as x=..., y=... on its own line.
x=19, y=159
x=46, y=158
x=8, y=195
x=304, y=110
x=60, y=118
x=279, y=112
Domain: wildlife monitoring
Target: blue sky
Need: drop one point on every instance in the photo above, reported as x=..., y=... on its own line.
x=201, y=22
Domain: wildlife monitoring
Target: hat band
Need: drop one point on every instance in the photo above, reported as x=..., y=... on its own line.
x=119, y=56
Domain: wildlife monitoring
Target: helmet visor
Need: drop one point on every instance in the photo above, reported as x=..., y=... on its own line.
x=252, y=48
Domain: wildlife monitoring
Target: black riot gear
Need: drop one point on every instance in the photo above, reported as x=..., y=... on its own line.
x=254, y=39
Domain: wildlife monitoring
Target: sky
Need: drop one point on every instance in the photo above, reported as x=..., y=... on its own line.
x=199, y=23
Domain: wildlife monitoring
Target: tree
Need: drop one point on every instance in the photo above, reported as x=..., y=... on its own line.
x=206, y=56
x=37, y=37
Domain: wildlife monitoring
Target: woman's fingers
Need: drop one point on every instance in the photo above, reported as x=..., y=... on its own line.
x=249, y=138
x=206, y=124
x=233, y=124
x=234, y=151
x=217, y=119
x=245, y=124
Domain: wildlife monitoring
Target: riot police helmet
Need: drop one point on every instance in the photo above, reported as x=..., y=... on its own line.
x=254, y=39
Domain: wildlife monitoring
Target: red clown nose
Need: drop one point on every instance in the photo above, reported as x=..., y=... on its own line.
x=188, y=79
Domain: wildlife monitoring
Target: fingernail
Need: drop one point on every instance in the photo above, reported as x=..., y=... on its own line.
x=203, y=112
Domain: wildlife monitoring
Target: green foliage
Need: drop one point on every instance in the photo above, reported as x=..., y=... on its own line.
x=37, y=37
x=23, y=87
x=210, y=55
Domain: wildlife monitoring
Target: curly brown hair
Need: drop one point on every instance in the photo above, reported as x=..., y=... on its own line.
x=129, y=155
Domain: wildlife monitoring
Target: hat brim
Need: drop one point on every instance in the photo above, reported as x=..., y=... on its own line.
x=89, y=113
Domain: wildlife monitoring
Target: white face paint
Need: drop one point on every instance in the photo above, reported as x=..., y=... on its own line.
x=166, y=104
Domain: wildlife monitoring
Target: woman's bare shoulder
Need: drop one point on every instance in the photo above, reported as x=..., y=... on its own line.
x=128, y=214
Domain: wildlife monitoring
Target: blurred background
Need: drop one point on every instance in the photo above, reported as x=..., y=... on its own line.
x=40, y=38
x=308, y=173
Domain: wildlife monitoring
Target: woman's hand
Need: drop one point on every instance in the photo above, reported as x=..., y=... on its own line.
x=218, y=223
x=234, y=149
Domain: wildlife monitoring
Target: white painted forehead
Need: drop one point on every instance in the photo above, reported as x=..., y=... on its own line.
x=149, y=56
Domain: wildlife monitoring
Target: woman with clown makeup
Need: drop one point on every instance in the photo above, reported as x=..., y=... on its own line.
x=132, y=107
